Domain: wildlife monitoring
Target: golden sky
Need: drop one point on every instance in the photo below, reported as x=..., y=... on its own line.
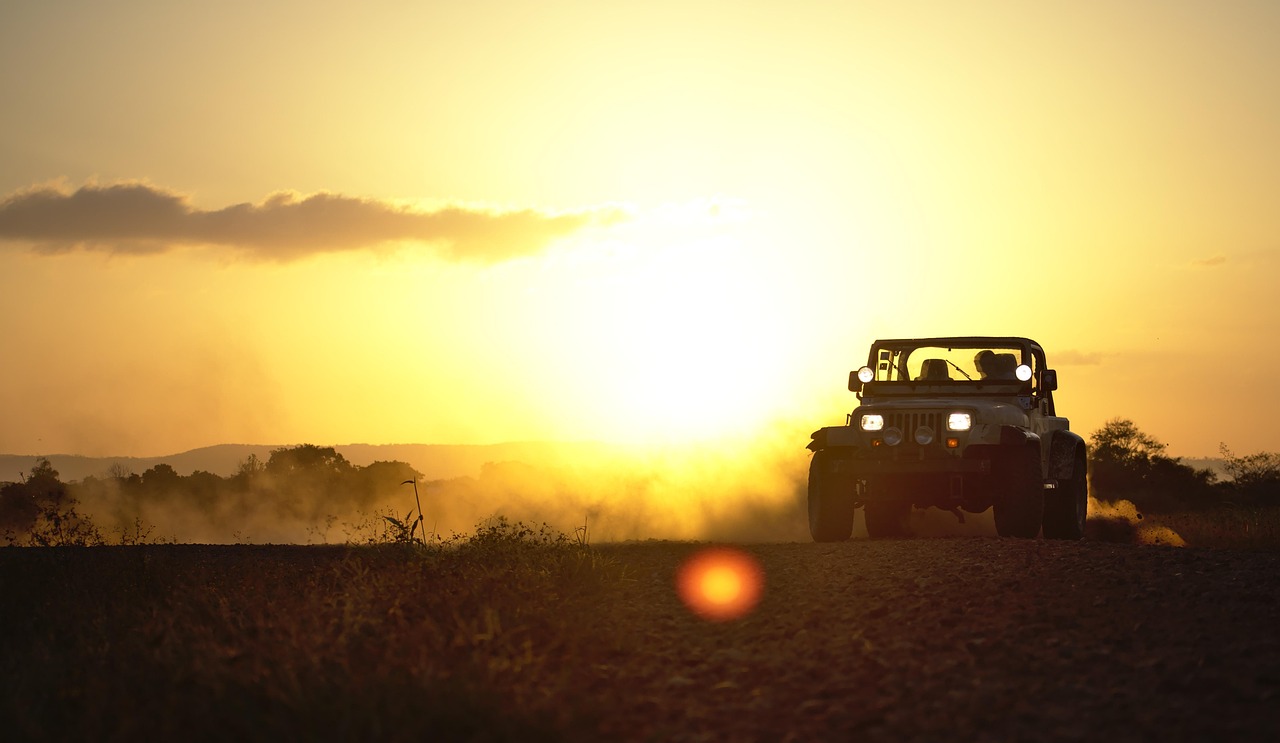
x=491, y=221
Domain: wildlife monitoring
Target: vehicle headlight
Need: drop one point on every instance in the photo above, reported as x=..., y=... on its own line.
x=893, y=437
x=866, y=374
x=1023, y=372
x=959, y=422
x=872, y=422
x=924, y=435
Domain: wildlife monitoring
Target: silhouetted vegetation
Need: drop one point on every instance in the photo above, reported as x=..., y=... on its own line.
x=41, y=511
x=1126, y=463
x=1255, y=478
x=304, y=486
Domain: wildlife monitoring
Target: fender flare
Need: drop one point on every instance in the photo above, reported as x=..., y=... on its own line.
x=832, y=437
x=1063, y=446
x=1015, y=436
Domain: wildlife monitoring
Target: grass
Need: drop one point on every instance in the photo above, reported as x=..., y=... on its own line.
x=394, y=642
x=1238, y=527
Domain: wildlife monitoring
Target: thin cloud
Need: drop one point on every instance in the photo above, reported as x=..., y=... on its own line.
x=1072, y=357
x=140, y=218
x=1216, y=260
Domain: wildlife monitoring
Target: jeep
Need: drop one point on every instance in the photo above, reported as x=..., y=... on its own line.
x=953, y=423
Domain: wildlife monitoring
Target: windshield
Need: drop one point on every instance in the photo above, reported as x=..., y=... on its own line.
x=940, y=365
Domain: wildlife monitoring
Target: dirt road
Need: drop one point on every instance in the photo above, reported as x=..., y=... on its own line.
x=958, y=638
x=952, y=639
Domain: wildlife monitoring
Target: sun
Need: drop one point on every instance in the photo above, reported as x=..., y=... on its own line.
x=689, y=324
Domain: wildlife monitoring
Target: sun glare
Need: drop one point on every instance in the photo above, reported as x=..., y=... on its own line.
x=720, y=584
x=685, y=327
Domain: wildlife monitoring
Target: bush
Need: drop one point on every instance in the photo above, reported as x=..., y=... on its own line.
x=1255, y=478
x=39, y=511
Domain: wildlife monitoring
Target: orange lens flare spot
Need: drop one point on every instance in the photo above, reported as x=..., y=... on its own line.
x=720, y=584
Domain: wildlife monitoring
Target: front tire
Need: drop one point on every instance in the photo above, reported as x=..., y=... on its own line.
x=1020, y=508
x=1066, y=508
x=830, y=510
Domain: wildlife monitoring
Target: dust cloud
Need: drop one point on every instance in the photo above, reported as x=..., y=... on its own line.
x=748, y=490
x=742, y=491
x=1121, y=521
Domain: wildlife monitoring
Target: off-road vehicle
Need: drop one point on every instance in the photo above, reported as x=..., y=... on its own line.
x=953, y=423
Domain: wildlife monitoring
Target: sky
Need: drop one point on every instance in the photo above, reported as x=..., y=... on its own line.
x=396, y=222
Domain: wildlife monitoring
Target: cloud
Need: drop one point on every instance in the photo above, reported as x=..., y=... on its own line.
x=1211, y=262
x=140, y=218
x=1072, y=357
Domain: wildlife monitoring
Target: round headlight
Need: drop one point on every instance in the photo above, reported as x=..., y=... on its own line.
x=924, y=435
x=1024, y=373
x=959, y=422
x=866, y=374
x=892, y=436
x=872, y=422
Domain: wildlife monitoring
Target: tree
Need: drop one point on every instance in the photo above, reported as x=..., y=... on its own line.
x=1127, y=463
x=307, y=459
x=161, y=481
x=1120, y=441
x=1255, y=478
x=40, y=511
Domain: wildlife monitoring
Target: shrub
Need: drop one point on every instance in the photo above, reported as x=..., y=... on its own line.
x=39, y=511
x=1255, y=478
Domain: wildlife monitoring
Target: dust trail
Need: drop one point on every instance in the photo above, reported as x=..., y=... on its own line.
x=1121, y=521
x=749, y=489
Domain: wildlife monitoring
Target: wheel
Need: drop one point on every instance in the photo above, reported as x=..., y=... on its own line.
x=1020, y=508
x=830, y=511
x=887, y=519
x=1066, y=508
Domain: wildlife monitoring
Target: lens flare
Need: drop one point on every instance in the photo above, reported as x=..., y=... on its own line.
x=720, y=584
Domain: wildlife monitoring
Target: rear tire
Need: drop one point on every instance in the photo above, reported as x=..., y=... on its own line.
x=1020, y=508
x=1066, y=509
x=830, y=511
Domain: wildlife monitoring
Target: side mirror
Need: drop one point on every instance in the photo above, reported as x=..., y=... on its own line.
x=1048, y=380
x=855, y=384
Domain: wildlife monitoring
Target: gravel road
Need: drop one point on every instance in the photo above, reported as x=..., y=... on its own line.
x=949, y=639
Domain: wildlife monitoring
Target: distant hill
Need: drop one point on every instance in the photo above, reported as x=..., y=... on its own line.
x=434, y=461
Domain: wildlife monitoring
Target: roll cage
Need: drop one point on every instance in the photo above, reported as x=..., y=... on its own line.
x=975, y=365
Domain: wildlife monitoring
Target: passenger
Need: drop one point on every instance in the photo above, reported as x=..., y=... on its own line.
x=981, y=362
x=996, y=366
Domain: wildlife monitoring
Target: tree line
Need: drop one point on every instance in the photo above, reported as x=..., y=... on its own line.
x=302, y=484
x=1130, y=464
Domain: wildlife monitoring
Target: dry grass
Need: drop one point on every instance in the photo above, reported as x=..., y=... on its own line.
x=1222, y=527
x=1243, y=527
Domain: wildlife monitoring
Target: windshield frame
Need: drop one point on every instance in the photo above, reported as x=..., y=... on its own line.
x=903, y=365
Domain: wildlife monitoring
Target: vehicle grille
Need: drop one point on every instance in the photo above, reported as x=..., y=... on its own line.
x=909, y=422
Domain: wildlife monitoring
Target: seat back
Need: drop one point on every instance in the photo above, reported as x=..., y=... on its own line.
x=934, y=370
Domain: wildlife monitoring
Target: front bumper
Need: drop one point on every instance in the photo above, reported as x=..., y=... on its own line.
x=942, y=466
